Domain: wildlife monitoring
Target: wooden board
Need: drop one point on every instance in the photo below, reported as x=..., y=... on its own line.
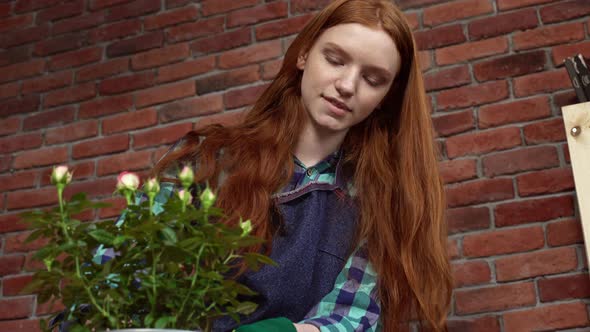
x=578, y=116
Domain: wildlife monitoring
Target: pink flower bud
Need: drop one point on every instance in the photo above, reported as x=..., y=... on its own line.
x=152, y=186
x=61, y=175
x=186, y=177
x=127, y=181
x=185, y=196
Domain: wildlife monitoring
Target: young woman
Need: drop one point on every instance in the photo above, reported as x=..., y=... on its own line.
x=335, y=165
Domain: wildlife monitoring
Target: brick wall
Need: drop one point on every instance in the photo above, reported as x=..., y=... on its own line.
x=106, y=85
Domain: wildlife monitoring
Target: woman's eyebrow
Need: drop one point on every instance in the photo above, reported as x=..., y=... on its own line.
x=373, y=68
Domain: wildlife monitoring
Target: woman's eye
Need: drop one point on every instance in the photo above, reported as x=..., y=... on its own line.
x=334, y=61
x=373, y=81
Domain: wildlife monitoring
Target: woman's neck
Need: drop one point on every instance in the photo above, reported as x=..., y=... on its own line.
x=315, y=145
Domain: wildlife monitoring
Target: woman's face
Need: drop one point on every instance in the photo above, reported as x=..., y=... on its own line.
x=346, y=74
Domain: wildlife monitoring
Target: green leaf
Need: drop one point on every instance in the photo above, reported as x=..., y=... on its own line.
x=246, y=307
x=162, y=322
x=169, y=235
x=102, y=236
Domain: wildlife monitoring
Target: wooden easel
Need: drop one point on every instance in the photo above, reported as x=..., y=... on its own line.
x=576, y=119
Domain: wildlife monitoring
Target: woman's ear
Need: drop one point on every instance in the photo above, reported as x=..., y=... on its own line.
x=301, y=59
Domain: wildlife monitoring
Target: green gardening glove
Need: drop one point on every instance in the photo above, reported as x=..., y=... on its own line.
x=280, y=324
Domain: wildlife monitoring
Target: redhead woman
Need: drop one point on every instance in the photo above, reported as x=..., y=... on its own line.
x=335, y=164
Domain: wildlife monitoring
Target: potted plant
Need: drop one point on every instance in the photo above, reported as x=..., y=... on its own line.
x=172, y=263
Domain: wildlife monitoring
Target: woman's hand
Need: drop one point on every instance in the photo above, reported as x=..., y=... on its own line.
x=306, y=328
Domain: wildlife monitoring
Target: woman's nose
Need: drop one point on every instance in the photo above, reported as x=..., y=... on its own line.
x=346, y=83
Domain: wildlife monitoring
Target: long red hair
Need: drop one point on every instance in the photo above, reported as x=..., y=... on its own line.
x=392, y=156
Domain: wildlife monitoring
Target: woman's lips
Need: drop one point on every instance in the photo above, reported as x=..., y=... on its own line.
x=338, y=104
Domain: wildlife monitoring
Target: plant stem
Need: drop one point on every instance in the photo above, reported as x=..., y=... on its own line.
x=193, y=281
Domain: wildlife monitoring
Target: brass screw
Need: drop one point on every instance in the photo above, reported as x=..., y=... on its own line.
x=575, y=131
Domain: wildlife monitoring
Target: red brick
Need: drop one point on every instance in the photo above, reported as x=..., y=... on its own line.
x=24, y=36
x=173, y=17
x=93, y=188
x=11, y=223
x=479, y=191
x=72, y=132
x=425, y=60
x=509, y=66
x=533, y=210
x=32, y=265
x=31, y=5
x=524, y=159
x=544, y=82
x=565, y=98
x=49, y=307
x=438, y=37
x=545, y=182
x=49, y=118
x=504, y=241
x=559, y=53
x=59, y=44
x=115, y=30
x=5, y=9
x=551, y=317
x=281, y=28
x=413, y=20
x=538, y=263
x=545, y=131
x=467, y=219
x=78, y=23
x=494, y=298
x=100, y=146
x=195, y=30
x=160, y=135
x=243, y=97
x=472, y=95
x=223, y=41
x=483, y=142
x=480, y=324
x=454, y=123
x=60, y=11
x=471, y=50
x=159, y=57
x=42, y=157
x=185, y=69
x=503, y=24
x=453, y=249
x=16, y=242
x=190, y=108
x=564, y=287
x=11, y=308
x=136, y=44
x=564, y=11
x=100, y=4
x=303, y=6
x=447, y=78
x=48, y=82
x=18, y=180
x=134, y=9
x=9, y=126
x=128, y=161
x=75, y=58
x=165, y=93
x=9, y=90
x=129, y=120
x=102, y=70
x=117, y=204
x=471, y=273
x=405, y=4
x=11, y=264
x=70, y=95
x=26, y=104
x=257, y=14
x=455, y=11
x=564, y=232
x=271, y=68
x=14, y=55
x=547, y=36
x=126, y=83
x=226, y=119
x=225, y=80
x=515, y=111
x=176, y=3
x=25, y=325
x=210, y=7
x=251, y=54
x=20, y=142
x=104, y=106
x=13, y=285
x=511, y=4
x=16, y=23
x=22, y=70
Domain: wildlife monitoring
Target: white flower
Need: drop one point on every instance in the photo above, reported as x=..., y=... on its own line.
x=152, y=186
x=207, y=198
x=185, y=196
x=61, y=175
x=127, y=181
x=186, y=176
